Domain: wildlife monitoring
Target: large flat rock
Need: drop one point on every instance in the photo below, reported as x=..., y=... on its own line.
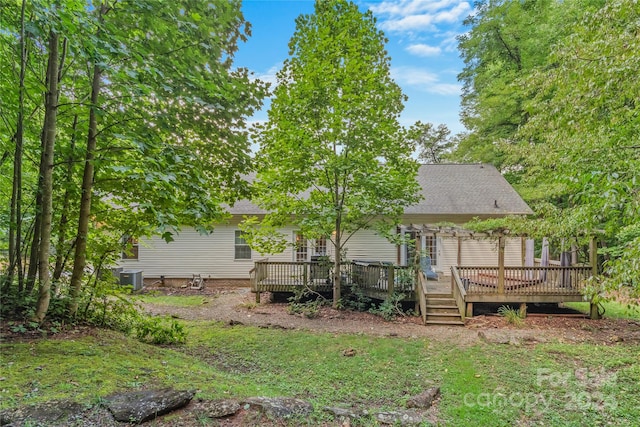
x=145, y=405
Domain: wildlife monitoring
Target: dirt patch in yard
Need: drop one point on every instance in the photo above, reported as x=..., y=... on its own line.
x=236, y=305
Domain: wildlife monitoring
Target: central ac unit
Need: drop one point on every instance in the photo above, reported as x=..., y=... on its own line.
x=132, y=278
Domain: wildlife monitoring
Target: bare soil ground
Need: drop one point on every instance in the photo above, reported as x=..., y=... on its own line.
x=232, y=304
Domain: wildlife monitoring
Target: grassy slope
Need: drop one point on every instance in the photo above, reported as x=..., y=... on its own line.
x=487, y=384
x=613, y=309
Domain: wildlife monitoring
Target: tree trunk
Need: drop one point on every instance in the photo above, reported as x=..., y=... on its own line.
x=15, y=214
x=337, y=277
x=49, y=138
x=80, y=257
x=34, y=254
x=64, y=217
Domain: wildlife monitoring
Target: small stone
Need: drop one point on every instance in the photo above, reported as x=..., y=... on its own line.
x=403, y=418
x=220, y=408
x=425, y=399
x=280, y=407
x=349, y=352
x=338, y=412
x=617, y=338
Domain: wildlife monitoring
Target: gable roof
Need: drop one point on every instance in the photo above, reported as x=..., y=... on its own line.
x=472, y=189
x=451, y=189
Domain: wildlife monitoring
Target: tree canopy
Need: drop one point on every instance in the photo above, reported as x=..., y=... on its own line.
x=572, y=148
x=333, y=158
x=506, y=41
x=135, y=109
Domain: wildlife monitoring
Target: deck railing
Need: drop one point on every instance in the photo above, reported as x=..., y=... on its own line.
x=549, y=280
x=280, y=276
x=459, y=292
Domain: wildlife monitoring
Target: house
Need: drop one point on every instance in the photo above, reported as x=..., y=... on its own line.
x=452, y=193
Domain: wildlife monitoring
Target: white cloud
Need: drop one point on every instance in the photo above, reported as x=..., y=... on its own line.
x=270, y=75
x=424, y=81
x=410, y=7
x=446, y=89
x=423, y=50
x=450, y=41
x=419, y=15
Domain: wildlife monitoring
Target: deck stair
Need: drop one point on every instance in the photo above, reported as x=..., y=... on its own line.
x=442, y=310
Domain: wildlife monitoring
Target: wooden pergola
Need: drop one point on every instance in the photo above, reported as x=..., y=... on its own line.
x=508, y=284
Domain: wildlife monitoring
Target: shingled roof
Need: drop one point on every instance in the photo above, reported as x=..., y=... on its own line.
x=466, y=189
x=475, y=189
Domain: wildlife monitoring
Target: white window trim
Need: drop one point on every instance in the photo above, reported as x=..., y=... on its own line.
x=236, y=245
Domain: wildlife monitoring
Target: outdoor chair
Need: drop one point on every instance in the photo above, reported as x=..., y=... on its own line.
x=427, y=268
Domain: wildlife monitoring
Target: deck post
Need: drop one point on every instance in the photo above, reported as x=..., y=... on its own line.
x=501, y=245
x=257, y=297
x=390, y=279
x=523, y=309
x=593, y=256
x=305, y=273
x=469, y=310
x=593, y=260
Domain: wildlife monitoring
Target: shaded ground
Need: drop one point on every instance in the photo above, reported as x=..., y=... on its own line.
x=237, y=305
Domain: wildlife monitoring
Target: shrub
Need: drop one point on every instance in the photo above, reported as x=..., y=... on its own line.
x=390, y=308
x=306, y=302
x=512, y=316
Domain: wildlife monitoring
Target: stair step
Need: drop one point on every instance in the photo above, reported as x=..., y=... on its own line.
x=440, y=307
x=436, y=296
x=443, y=312
x=456, y=314
x=445, y=322
x=441, y=301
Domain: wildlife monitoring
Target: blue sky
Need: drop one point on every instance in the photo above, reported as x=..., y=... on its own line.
x=422, y=46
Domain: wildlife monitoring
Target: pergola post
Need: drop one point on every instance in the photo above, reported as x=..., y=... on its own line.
x=593, y=260
x=501, y=245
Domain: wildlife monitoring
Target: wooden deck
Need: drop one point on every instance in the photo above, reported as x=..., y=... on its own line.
x=466, y=285
x=374, y=279
x=522, y=284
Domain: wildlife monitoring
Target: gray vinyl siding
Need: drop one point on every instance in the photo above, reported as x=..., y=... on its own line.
x=212, y=256
x=190, y=253
x=367, y=245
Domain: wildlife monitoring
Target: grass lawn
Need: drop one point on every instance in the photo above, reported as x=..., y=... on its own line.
x=486, y=384
x=170, y=300
x=613, y=309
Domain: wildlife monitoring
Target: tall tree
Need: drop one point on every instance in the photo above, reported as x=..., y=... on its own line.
x=164, y=119
x=80, y=257
x=433, y=143
x=46, y=169
x=580, y=145
x=15, y=215
x=333, y=158
x=506, y=41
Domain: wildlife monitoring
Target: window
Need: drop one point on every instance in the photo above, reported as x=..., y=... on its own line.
x=242, y=249
x=431, y=249
x=130, y=247
x=305, y=248
x=302, y=250
x=320, y=246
